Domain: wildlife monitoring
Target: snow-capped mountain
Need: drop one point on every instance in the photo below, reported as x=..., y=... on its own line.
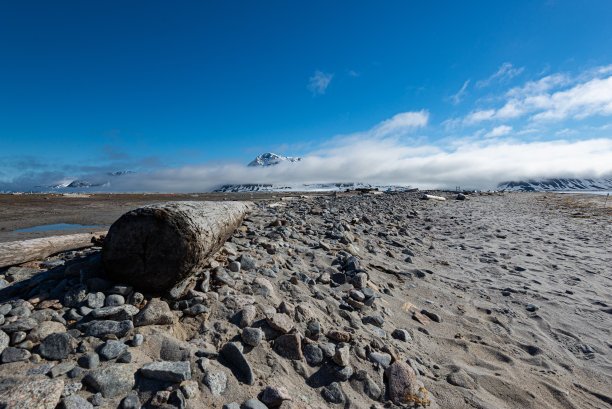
x=305, y=187
x=76, y=184
x=271, y=159
x=557, y=184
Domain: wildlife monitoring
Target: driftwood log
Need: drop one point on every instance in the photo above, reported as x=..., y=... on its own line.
x=17, y=252
x=156, y=247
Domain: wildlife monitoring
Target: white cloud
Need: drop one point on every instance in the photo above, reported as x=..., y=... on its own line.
x=457, y=98
x=401, y=123
x=505, y=73
x=353, y=73
x=554, y=97
x=318, y=83
x=499, y=131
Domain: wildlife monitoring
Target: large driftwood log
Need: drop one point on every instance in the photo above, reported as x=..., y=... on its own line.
x=155, y=247
x=17, y=252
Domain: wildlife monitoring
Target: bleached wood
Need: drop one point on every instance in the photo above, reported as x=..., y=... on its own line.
x=17, y=252
x=155, y=247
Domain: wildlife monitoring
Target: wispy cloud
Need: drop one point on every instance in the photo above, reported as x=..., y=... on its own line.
x=318, y=83
x=458, y=97
x=353, y=73
x=499, y=131
x=505, y=73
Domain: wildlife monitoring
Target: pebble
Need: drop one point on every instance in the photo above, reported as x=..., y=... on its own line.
x=332, y=393
x=90, y=361
x=253, y=404
x=342, y=354
x=216, y=382
x=289, y=346
x=251, y=336
x=125, y=358
x=61, y=369
x=137, y=340
x=113, y=300
x=167, y=371
x=382, y=359
x=234, y=266
x=156, y=312
x=131, y=401
x=12, y=354
x=111, y=381
x=274, y=396
x=233, y=355
x=340, y=336
x=76, y=402
x=247, y=262
x=112, y=349
x=313, y=354
x=247, y=316
x=280, y=322
x=401, y=334
x=190, y=389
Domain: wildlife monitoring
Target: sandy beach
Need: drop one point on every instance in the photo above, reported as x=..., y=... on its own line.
x=501, y=300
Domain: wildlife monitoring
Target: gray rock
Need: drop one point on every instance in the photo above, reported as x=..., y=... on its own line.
x=138, y=340
x=111, y=381
x=90, y=361
x=247, y=262
x=280, y=322
x=11, y=354
x=49, y=264
x=167, y=371
x=342, y=373
x=75, y=295
x=190, y=389
x=289, y=346
x=234, y=266
x=382, y=359
x=195, y=310
x=376, y=320
x=251, y=336
x=156, y=312
x=39, y=394
x=95, y=300
x=21, y=312
x=5, y=309
x=112, y=349
x=17, y=337
x=332, y=393
x=100, y=329
x=313, y=354
x=96, y=399
x=231, y=405
x=56, y=346
x=75, y=372
x=233, y=355
x=121, y=289
x=61, y=369
x=113, y=300
x=360, y=280
x=247, y=316
x=40, y=370
x=216, y=382
x=136, y=298
x=125, y=358
x=22, y=324
x=402, y=335
x=253, y=404
x=115, y=313
x=72, y=388
x=131, y=401
x=4, y=341
x=274, y=396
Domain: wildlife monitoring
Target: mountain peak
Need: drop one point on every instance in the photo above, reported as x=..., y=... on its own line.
x=271, y=159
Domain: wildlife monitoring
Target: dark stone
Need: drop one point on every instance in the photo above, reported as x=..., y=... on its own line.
x=232, y=354
x=332, y=393
x=56, y=346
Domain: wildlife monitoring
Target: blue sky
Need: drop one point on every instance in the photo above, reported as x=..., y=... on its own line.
x=193, y=87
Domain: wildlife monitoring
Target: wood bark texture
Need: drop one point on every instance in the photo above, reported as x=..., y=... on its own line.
x=155, y=247
x=17, y=252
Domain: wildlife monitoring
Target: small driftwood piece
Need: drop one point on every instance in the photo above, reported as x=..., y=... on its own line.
x=156, y=247
x=17, y=252
x=432, y=197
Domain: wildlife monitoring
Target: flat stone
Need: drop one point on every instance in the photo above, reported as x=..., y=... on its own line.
x=11, y=354
x=156, y=312
x=233, y=355
x=401, y=382
x=382, y=359
x=23, y=324
x=112, y=349
x=111, y=381
x=41, y=394
x=216, y=382
x=76, y=402
x=289, y=346
x=100, y=329
x=61, y=369
x=44, y=329
x=253, y=404
x=115, y=313
x=167, y=371
x=56, y=346
x=125, y=358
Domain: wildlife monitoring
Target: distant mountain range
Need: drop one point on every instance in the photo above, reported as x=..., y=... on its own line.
x=271, y=159
x=74, y=184
x=557, y=184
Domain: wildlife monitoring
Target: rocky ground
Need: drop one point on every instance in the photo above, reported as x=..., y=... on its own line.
x=351, y=300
